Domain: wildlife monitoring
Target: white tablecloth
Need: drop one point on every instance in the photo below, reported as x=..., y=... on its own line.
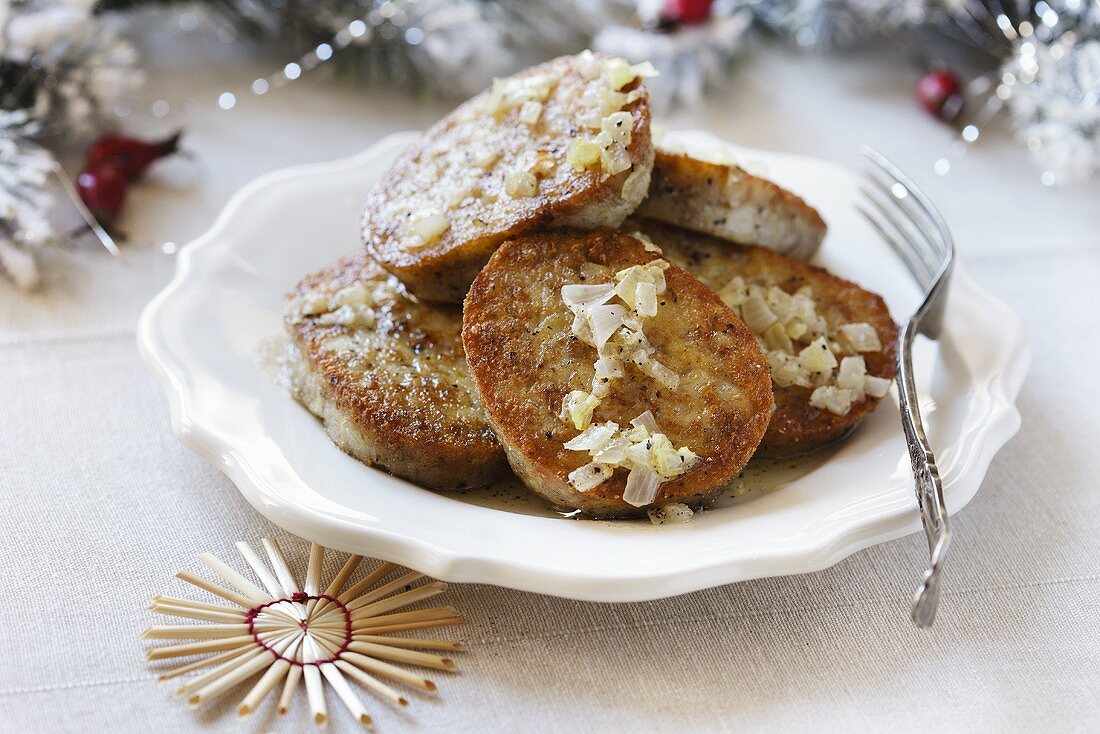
x=102, y=505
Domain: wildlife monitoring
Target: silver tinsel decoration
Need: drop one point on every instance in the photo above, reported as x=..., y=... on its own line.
x=62, y=71
x=828, y=23
x=1055, y=105
x=690, y=58
x=25, y=202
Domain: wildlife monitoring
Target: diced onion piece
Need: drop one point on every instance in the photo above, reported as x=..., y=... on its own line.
x=776, y=337
x=579, y=294
x=641, y=486
x=734, y=293
x=644, y=69
x=582, y=327
x=756, y=314
x=876, y=387
x=650, y=245
x=607, y=369
x=428, y=226
x=861, y=337
x=485, y=157
x=314, y=304
x=588, y=65
x=605, y=321
x=608, y=101
x=543, y=165
x=614, y=159
x=619, y=125
x=664, y=458
x=529, y=112
x=634, y=188
x=590, y=476
x=661, y=374
x=577, y=407
x=851, y=374
x=787, y=370
x=352, y=295
x=674, y=513
x=628, y=280
x=833, y=399
x=594, y=438
x=796, y=328
x=582, y=153
x=614, y=452
x=617, y=73
x=645, y=299
x=646, y=421
x=521, y=184
x=817, y=357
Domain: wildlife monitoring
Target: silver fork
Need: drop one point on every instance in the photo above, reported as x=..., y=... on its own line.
x=909, y=223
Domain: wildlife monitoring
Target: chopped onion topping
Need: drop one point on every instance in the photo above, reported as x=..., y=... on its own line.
x=521, y=184
x=579, y=294
x=646, y=421
x=529, y=112
x=645, y=299
x=643, y=449
x=619, y=126
x=577, y=406
x=507, y=94
x=425, y=228
x=614, y=159
x=817, y=357
x=802, y=349
x=590, y=476
x=607, y=369
x=614, y=452
x=851, y=374
x=649, y=245
x=659, y=372
x=313, y=305
x=589, y=66
x=582, y=153
x=593, y=438
x=832, y=399
x=757, y=315
x=862, y=337
x=876, y=387
x=604, y=322
x=641, y=486
x=634, y=188
x=674, y=513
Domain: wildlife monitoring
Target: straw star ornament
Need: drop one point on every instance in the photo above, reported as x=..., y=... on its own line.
x=289, y=633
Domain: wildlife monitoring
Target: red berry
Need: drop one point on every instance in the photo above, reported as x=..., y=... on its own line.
x=687, y=12
x=102, y=188
x=938, y=92
x=131, y=155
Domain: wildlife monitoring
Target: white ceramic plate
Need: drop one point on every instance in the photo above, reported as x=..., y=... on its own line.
x=200, y=338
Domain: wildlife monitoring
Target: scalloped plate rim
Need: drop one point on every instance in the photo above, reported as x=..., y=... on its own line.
x=451, y=564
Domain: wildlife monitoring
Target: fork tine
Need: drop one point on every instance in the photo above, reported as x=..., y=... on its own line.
x=900, y=248
x=918, y=196
x=910, y=224
x=904, y=240
x=900, y=198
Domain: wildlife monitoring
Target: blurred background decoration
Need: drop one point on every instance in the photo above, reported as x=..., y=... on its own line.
x=67, y=72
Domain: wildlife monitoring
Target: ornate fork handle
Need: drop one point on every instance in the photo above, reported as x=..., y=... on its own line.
x=926, y=474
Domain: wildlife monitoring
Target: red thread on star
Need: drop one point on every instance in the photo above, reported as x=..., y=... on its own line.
x=302, y=598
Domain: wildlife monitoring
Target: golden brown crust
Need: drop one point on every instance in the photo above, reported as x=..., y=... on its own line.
x=441, y=172
x=796, y=427
x=524, y=359
x=392, y=386
x=728, y=202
